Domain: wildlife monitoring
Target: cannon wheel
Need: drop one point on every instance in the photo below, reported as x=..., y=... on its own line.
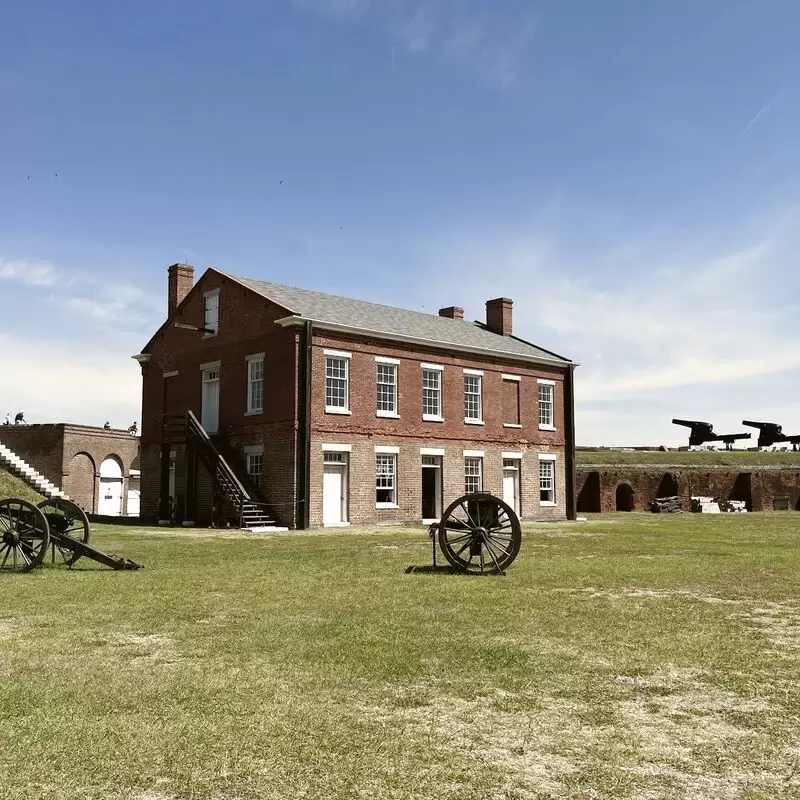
x=480, y=534
x=63, y=516
x=24, y=535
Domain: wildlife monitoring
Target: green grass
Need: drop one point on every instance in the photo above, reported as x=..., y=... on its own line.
x=630, y=656
x=13, y=486
x=733, y=458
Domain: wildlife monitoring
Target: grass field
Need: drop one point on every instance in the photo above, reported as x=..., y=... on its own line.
x=630, y=656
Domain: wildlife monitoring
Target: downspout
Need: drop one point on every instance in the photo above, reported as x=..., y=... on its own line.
x=304, y=450
x=569, y=441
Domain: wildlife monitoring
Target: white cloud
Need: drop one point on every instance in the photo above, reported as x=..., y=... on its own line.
x=670, y=332
x=80, y=381
x=28, y=273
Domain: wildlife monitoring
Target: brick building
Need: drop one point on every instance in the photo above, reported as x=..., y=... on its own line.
x=97, y=468
x=333, y=411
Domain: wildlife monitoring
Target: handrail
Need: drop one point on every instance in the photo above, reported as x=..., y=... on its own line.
x=199, y=431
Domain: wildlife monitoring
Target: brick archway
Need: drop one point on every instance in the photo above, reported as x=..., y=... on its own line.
x=624, y=497
x=668, y=486
x=80, y=483
x=589, y=495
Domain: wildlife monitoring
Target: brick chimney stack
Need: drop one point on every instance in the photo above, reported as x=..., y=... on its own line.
x=181, y=280
x=452, y=312
x=498, y=315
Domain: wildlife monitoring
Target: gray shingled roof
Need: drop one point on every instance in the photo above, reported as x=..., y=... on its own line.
x=395, y=322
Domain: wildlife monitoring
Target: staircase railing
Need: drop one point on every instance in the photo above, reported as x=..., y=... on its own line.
x=226, y=479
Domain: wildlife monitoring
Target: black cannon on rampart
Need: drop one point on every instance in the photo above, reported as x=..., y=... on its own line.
x=27, y=530
x=770, y=433
x=702, y=432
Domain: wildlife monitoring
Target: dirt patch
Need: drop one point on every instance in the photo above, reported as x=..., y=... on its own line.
x=150, y=648
x=779, y=623
x=672, y=733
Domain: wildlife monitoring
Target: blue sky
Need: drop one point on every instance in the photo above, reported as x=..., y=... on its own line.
x=627, y=172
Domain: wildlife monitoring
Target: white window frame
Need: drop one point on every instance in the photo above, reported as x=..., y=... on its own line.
x=394, y=364
x=387, y=455
x=427, y=417
x=214, y=325
x=547, y=458
x=256, y=358
x=473, y=375
x=254, y=451
x=472, y=460
x=333, y=447
x=340, y=355
x=541, y=383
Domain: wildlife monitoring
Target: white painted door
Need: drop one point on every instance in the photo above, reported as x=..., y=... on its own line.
x=333, y=494
x=210, y=411
x=511, y=487
x=110, y=502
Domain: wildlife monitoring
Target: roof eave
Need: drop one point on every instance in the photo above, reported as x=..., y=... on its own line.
x=297, y=319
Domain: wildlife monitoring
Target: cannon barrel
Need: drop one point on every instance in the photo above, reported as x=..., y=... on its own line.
x=692, y=423
x=763, y=425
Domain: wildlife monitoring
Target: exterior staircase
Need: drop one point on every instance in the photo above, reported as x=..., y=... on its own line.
x=253, y=515
x=34, y=479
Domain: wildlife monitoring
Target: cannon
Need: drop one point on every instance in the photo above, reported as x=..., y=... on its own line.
x=770, y=433
x=702, y=432
x=27, y=530
x=479, y=534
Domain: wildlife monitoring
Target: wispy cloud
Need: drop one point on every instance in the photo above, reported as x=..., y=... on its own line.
x=490, y=39
x=28, y=273
x=752, y=122
x=66, y=337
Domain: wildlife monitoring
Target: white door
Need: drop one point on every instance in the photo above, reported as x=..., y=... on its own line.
x=511, y=486
x=110, y=502
x=333, y=494
x=210, y=411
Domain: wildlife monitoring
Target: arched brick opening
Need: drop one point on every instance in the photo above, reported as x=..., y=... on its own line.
x=589, y=495
x=797, y=504
x=624, y=497
x=80, y=481
x=742, y=489
x=668, y=486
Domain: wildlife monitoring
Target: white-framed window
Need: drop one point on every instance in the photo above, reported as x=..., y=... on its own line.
x=334, y=457
x=431, y=392
x=255, y=384
x=473, y=401
x=385, y=480
x=547, y=480
x=337, y=382
x=387, y=388
x=546, y=392
x=473, y=474
x=255, y=467
x=211, y=312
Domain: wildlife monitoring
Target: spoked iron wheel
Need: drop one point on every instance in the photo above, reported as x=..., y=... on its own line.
x=24, y=535
x=480, y=534
x=64, y=517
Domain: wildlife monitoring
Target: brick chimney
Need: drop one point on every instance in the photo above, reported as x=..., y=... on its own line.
x=181, y=280
x=498, y=315
x=452, y=312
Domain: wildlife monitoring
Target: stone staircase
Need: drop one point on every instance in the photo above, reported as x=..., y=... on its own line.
x=34, y=479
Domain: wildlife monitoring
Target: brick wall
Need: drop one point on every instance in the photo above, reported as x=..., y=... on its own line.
x=363, y=429
x=361, y=478
x=246, y=327
x=71, y=455
x=761, y=487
